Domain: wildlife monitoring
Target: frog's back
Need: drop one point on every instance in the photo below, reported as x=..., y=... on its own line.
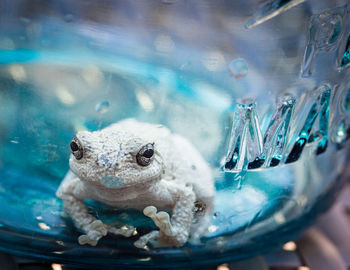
x=147, y=131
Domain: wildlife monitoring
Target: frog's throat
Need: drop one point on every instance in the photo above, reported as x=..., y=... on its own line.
x=135, y=188
x=113, y=182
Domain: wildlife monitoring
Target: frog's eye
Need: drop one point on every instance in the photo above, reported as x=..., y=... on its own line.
x=145, y=154
x=76, y=148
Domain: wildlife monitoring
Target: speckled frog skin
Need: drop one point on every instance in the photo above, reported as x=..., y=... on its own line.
x=131, y=164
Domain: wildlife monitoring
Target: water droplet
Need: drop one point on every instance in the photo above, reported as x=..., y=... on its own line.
x=214, y=61
x=64, y=95
x=44, y=226
x=340, y=134
x=280, y=218
x=212, y=228
x=216, y=214
x=92, y=75
x=144, y=100
x=102, y=107
x=238, y=68
x=18, y=72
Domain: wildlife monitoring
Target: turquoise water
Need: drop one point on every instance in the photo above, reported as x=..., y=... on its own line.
x=46, y=97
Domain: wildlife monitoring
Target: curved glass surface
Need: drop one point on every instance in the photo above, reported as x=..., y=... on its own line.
x=261, y=90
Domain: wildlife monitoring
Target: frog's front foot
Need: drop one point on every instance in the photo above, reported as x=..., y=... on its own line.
x=167, y=234
x=149, y=237
x=125, y=230
x=161, y=219
x=94, y=231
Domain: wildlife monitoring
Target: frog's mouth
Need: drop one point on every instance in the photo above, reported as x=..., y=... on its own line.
x=110, y=181
x=114, y=182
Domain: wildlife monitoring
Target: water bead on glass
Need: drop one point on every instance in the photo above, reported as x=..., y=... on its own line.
x=238, y=68
x=102, y=107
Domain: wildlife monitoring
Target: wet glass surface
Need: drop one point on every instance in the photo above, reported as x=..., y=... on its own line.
x=274, y=138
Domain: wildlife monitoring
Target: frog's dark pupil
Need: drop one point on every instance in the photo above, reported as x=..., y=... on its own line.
x=148, y=153
x=74, y=146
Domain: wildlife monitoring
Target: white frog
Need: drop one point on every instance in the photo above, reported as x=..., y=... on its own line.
x=131, y=164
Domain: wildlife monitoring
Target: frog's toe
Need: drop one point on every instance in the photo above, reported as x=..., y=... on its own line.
x=99, y=227
x=163, y=217
x=128, y=231
x=150, y=211
x=125, y=230
x=85, y=239
x=164, y=222
x=160, y=219
x=143, y=240
x=96, y=224
x=140, y=244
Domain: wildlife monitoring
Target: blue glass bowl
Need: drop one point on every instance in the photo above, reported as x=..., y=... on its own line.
x=281, y=88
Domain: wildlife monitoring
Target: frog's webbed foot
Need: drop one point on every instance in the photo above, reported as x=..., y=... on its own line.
x=160, y=219
x=97, y=229
x=94, y=231
x=166, y=236
x=143, y=240
x=125, y=230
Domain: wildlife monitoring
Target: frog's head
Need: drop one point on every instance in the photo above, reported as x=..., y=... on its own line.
x=114, y=159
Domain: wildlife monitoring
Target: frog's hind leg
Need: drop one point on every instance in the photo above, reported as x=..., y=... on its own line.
x=199, y=229
x=202, y=219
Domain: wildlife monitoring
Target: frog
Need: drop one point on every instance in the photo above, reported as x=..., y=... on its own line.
x=144, y=166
